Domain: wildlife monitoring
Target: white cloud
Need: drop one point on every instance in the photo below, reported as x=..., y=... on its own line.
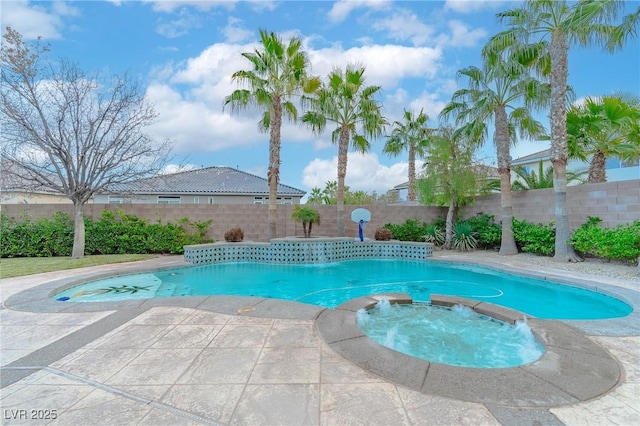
x=396, y=102
x=180, y=26
x=385, y=65
x=364, y=173
x=462, y=36
x=176, y=168
x=195, y=126
x=472, y=6
x=430, y=103
x=321, y=144
x=33, y=21
x=189, y=96
x=168, y=6
x=234, y=32
x=404, y=25
x=262, y=5
x=342, y=8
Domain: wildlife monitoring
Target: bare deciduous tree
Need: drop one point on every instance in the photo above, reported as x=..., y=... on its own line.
x=69, y=132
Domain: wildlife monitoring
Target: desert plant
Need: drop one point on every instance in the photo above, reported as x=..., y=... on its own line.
x=383, y=234
x=234, y=235
x=434, y=235
x=463, y=237
x=487, y=232
x=308, y=216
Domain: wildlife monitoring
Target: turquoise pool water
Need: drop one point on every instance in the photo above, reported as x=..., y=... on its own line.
x=331, y=284
x=454, y=336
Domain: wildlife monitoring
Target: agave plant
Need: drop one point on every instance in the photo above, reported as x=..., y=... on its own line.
x=463, y=237
x=434, y=235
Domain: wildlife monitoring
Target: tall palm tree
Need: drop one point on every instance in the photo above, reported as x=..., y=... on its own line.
x=280, y=73
x=559, y=24
x=411, y=134
x=500, y=92
x=352, y=108
x=603, y=127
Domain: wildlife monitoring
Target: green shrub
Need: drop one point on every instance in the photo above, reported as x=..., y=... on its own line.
x=620, y=243
x=41, y=238
x=463, y=237
x=410, y=230
x=487, y=232
x=113, y=233
x=534, y=238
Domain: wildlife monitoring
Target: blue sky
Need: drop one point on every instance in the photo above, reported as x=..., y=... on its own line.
x=184, y=53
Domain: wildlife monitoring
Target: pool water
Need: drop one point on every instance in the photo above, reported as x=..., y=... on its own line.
x=454, y=336
x=331, y=284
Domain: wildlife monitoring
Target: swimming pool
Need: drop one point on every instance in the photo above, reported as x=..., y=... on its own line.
x=330, y=284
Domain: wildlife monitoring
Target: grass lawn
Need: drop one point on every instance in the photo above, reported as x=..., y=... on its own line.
x=15, y=267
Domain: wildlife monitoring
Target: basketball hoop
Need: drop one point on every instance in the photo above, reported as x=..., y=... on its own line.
x=361, y=217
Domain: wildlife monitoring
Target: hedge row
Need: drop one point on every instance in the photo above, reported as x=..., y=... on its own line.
x=113, y=233
x=619, y=243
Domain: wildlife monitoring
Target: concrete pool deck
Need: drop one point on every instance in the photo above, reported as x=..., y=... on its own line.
x=237, y=360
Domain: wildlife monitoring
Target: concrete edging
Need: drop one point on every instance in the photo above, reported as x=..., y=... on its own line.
x=572, y=369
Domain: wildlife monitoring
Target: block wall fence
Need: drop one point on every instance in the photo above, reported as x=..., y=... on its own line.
x=615, y=203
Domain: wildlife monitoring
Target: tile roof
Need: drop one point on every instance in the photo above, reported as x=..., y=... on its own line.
x=13, y=178
x=208, y=180
x=536, y=156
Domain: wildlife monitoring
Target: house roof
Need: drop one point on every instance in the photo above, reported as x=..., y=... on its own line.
x=536, y=156
x=208, y=180
x=403, y=185
x=13, y=178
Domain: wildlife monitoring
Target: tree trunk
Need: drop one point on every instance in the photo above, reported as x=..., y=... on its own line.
x=597, y=168
x=412, y=172
x=274, y=166
x=448, y=235
x=78, y=230
x=502, y=142
x=559, y=151
x=343, y=150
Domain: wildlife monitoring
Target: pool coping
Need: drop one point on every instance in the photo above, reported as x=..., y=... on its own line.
x=500, y=387
x=38, y=298
x=572, y=369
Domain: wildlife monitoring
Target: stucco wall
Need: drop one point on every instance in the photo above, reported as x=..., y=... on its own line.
x=614, y=202
x=252, y=218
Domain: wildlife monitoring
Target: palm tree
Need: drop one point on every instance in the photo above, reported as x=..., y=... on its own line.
x=450, y=177
x=280, y=72
x=316, y=196
x=492, y=95
x=565, y=23
x=347, y=103
x=412, y=135
x=603, y=127
x=543, y=179
x=307, y=216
